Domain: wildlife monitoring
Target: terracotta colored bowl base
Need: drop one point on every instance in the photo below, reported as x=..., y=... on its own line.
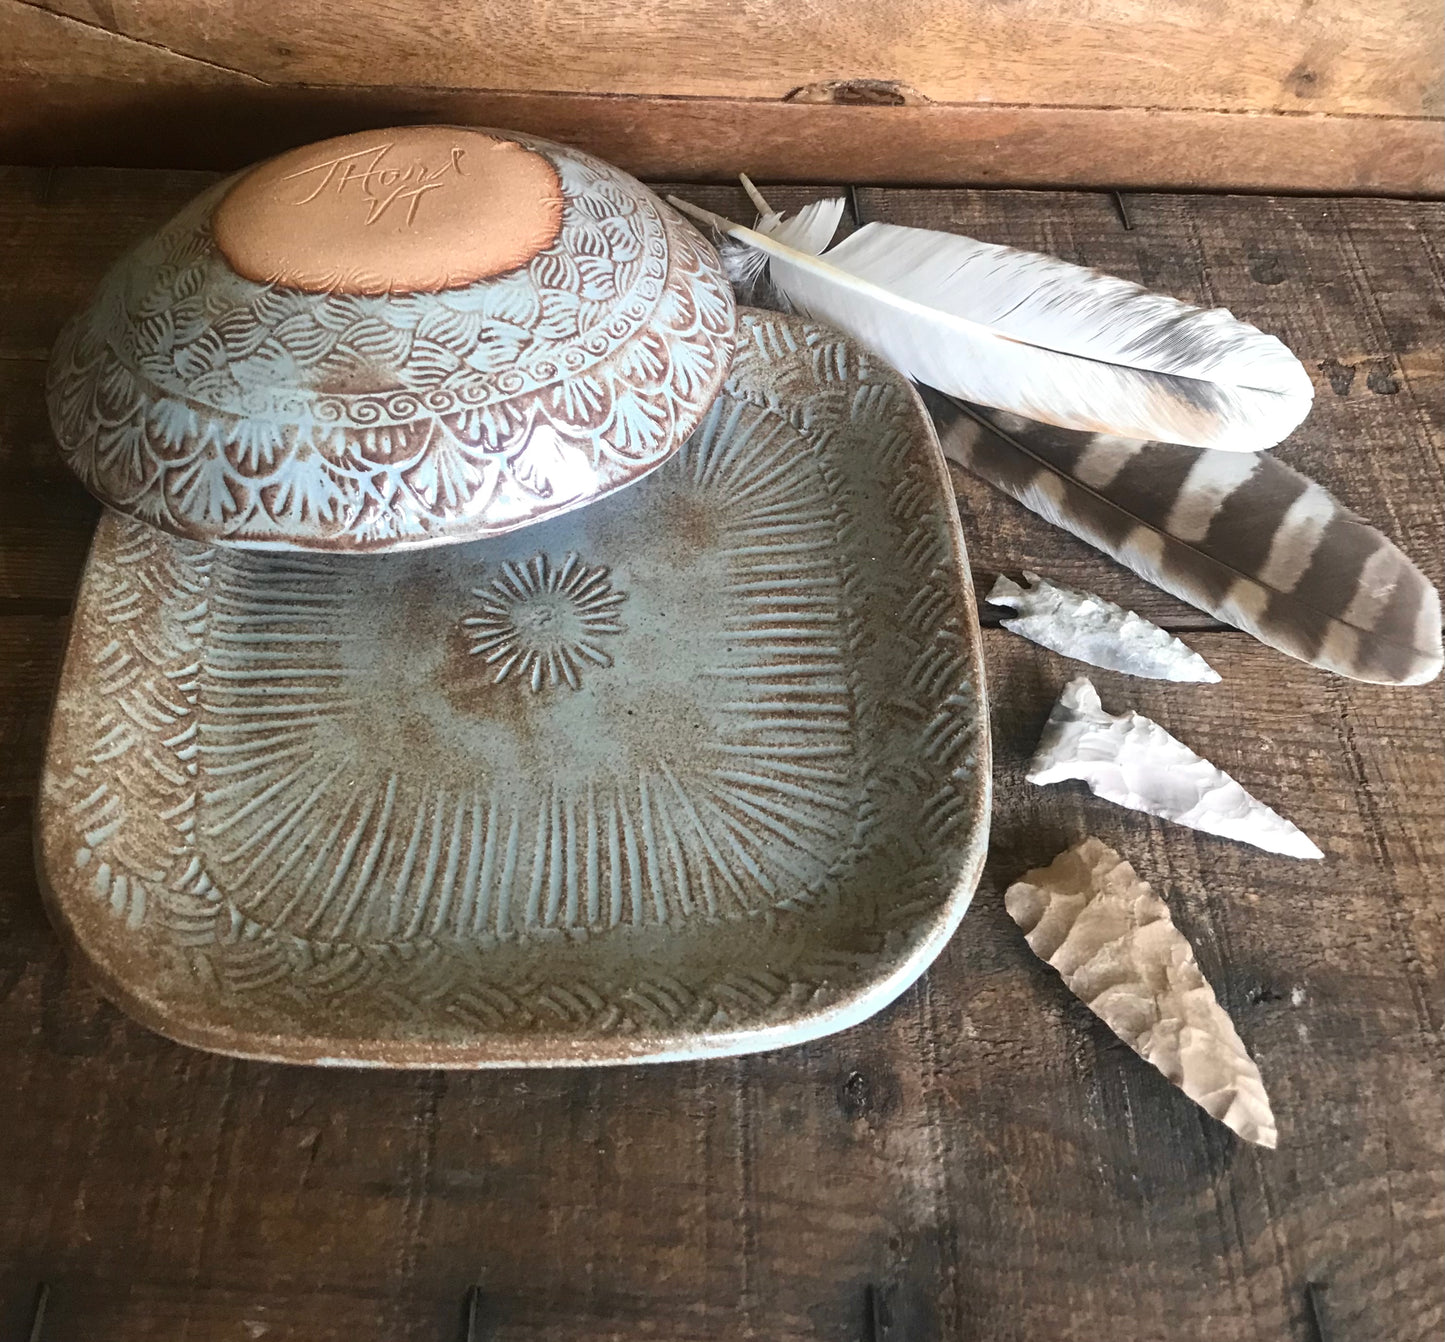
x=412, y=210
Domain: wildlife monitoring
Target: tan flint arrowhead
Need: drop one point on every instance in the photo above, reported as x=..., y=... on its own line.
x=1113, y=942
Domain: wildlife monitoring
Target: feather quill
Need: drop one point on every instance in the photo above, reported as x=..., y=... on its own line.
x=1032, y=334
x=810, y=231
x=1245, y=538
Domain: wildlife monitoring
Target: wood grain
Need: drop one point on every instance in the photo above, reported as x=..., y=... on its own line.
x=1337, y=95
x=981, y=1162
x=151, y=120
x=1333, y=56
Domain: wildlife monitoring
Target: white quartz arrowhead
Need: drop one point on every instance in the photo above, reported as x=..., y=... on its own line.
x=1132, y=761
x=1114, y=944
x=1089, y=629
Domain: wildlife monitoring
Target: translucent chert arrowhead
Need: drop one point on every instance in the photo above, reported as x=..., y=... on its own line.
x=1132, y=761
x=1089, y=629
x=1114, y=944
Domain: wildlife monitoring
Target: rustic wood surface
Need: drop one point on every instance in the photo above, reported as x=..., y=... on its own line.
x=1332, y=95
x=980, y=1161
x=139, y=122
x=1337, y=56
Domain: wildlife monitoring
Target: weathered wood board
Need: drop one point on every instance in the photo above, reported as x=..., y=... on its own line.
x=1336, y=95
x=1339, y=56
x=980, y=1162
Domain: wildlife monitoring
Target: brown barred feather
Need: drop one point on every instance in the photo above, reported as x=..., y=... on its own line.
x=1241, y=536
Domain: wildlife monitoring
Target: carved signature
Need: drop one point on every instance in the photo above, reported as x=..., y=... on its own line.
x=381, y=184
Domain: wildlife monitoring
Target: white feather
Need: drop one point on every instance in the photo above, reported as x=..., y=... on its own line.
x=810, y=230
x=1034, y=335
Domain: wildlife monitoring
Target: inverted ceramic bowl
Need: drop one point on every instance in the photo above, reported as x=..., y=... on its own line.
x=700, y=769
x=392, y=340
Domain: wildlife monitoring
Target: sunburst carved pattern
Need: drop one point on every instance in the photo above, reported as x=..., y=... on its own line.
x=544, y=624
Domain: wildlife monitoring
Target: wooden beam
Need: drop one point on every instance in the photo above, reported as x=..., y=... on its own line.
x=104, y=121
x=1348, y=57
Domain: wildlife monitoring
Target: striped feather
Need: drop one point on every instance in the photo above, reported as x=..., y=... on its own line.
x=1243, y=537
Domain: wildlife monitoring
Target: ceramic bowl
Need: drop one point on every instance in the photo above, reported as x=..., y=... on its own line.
x=700, y=769
x=392, y=340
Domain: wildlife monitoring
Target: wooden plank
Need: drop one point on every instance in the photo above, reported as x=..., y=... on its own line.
x=46, y=517
x=80, y=118
x=980, y=1161
x=1357, y=57
x=31, y=649
x=60, y=230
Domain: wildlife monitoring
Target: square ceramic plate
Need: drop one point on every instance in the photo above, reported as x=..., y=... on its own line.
x=699, y=769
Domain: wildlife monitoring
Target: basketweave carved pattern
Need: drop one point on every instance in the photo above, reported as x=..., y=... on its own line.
x=219, y=408
x=247, y=795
